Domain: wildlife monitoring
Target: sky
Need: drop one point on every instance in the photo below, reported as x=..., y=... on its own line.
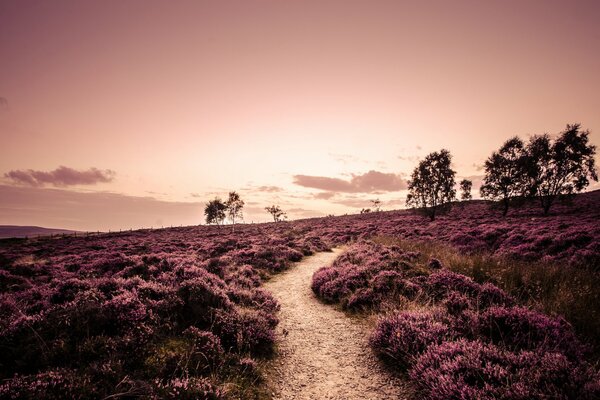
x=128, y=114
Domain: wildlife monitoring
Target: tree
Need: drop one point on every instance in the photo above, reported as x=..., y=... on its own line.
x=234, y=205
x=215, y=211
x=560, y=167
x=506, y=175
x=465, y=189
x=431, y=186
x=376, y=205
x=276, y=212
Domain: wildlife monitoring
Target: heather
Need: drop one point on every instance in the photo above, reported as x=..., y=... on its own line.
x=180, y=311
x=166, y=314
x=455, y=337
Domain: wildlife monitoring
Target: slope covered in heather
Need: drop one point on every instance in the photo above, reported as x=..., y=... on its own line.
x=158, y=312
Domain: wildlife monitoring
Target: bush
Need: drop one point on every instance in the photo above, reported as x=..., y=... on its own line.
x=403, y=336
x=476, y=370
x=187, y=389
x=519, y=328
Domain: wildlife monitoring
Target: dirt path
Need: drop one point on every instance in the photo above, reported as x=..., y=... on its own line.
x=323, y=353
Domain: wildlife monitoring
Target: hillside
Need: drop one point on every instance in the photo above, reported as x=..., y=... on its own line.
x=154, y=312
x=15, y=231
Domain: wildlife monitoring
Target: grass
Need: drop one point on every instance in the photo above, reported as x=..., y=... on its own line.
x=553, y=288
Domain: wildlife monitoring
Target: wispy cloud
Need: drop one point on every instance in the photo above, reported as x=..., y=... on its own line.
x=269, y=189
x=60, y=177
x=324, y=195
x=372, y=181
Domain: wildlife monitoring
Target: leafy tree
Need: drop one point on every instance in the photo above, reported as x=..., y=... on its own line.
x=376, y=205
x=431, y=186
x=465, y=189
x=276, y=212
x=215, y=211
x=234, y=205
x=506, y=174
x=560, y=167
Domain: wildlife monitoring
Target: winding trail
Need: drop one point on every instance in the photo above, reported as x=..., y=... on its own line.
x=323, y=353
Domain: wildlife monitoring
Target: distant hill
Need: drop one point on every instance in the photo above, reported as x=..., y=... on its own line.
x=15, y=231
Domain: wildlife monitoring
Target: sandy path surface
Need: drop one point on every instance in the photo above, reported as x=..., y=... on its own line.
x=323, y=353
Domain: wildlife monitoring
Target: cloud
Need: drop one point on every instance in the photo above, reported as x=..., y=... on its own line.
x=67, y=209
x=299, y=212
x=356, y=203
x=324, y=195
x=409, y=158
x=60, y=177
x=269, y=189
x=369, y=182
x=478, y=167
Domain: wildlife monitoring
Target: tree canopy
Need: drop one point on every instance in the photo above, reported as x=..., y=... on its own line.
x=234, y=205
x=214, y=211
x=276, y=213
x=465, y=189
x=431, y=186
x=561, y=166
x=506, y=175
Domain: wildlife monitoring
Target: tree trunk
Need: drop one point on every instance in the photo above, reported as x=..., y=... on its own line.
x=505, y=209
x=432, y=214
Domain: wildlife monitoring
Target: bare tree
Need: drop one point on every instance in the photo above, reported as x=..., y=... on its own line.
x=431, y=187
x=376, y=205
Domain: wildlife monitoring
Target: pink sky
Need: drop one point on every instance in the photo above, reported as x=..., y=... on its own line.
x=151, y=108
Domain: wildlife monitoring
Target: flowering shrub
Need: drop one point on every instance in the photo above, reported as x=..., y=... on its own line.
x=476, y=370
x=163, y=314
x=468, y=340
x=519, y=328
x=402, y=337
x=88, y=314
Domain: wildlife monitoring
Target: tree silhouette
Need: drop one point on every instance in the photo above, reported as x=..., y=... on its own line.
x=465, y=189
x=376, y=205
x=215, y=211
x=234, y=205
x=506, y=175
x=560, y=167
x=431, y=187
x=276, y=213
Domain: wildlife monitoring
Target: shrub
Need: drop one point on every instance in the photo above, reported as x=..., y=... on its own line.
x=403, y=336
x=519, y=328
x=187, y=389
x=476, y=370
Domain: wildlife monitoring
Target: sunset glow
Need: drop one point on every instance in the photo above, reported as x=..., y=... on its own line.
x=118, y=115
